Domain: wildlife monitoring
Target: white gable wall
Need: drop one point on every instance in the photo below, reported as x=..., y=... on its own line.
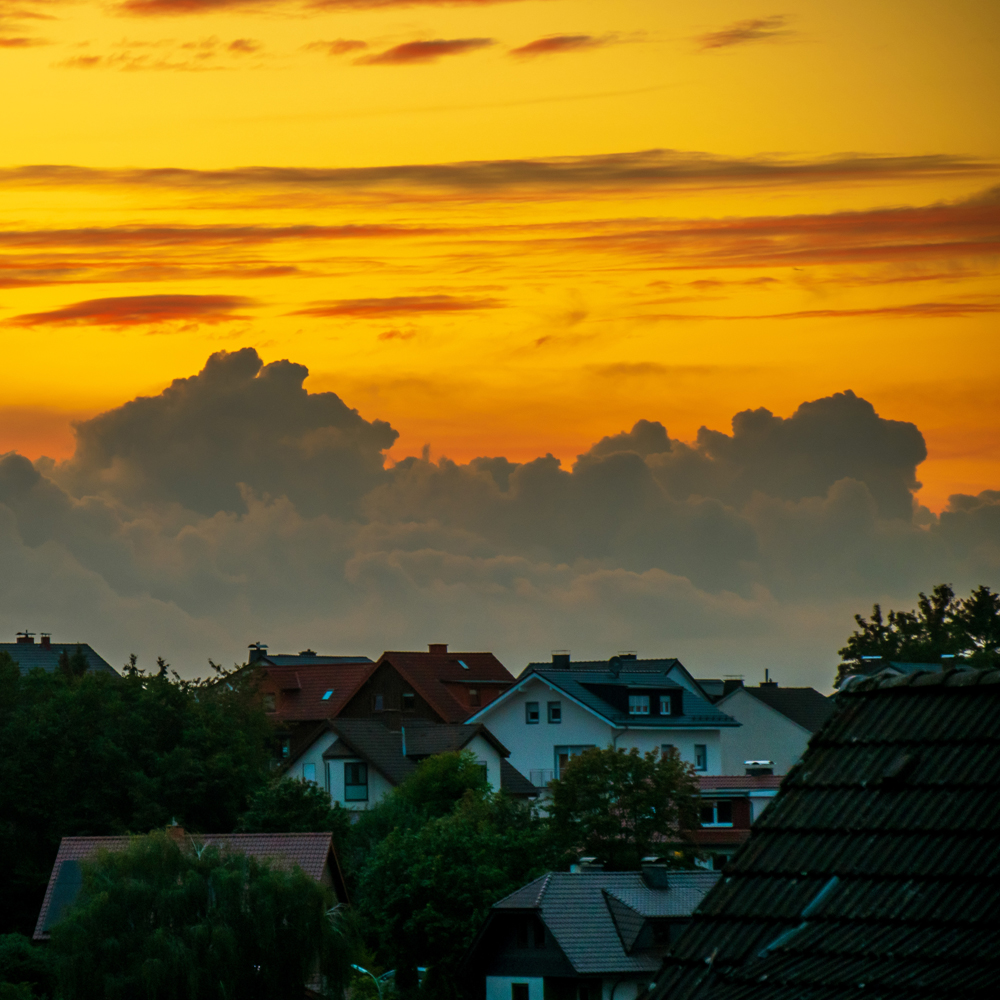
x=488, y=755
x=765, y=734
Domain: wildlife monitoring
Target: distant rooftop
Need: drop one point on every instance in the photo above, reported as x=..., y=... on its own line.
x=44, y=654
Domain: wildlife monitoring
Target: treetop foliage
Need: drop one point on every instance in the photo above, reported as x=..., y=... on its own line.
x=621, y=806
x=941, y=625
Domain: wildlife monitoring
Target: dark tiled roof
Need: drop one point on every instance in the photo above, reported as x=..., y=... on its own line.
x=580, y=908
x=34, y=656
x=578, y=682
x=301, y=688
x=877, y=863
x=310, y=851
x=514, y=783
x=806, y=706
x=373, y=742
x=717, y=782
x=440, y=677
x=309, y=660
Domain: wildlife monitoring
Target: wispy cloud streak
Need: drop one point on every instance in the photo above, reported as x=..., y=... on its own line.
x=401, y=305
x=139, y=310
x=758, y=29
x=424, y=51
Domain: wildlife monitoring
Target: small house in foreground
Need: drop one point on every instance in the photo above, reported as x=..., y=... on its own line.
x=875, y=872
x=312, y=852
x=589, y=935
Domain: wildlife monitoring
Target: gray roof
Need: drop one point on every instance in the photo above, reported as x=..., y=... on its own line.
x=35, y=656
x=574, y=680
x=806, y=706
x=581, y=909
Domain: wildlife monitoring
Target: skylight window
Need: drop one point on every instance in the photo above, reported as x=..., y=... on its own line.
x=465, y=666
x=326, y=697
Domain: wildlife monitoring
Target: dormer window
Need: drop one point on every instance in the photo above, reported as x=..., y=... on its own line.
x=474, y=697
x=666, y=704
x=717, y=813
x=638, y=704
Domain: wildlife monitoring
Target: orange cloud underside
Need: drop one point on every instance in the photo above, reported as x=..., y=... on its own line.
x=508, y=255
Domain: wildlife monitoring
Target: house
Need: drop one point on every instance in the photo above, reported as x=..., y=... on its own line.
x=314, y=853
x=776, y=723
x=438, y=686
x=876, y=870
x=557, y=710
x=587, y=935
x=44, y=655
x=358, y=761
x=729, y=805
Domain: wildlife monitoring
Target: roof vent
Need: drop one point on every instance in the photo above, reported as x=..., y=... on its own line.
x=588, y=864
x=655, y=875
x=560, y=657
x=757, y=768
x=308, y=652
x=258, y=650
x=767, y=682
x=439, y=648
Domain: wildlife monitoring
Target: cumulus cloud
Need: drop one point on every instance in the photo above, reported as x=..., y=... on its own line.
x=424, y=51
x=235, y=505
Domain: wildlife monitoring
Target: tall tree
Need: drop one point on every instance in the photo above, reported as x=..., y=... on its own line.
x=941, y=625
x=164, y=923
x=621, y=806
x=287, y=805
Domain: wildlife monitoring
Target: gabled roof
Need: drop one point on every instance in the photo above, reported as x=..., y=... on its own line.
x=877, y=863
x=580, y=910
x=383, y=748
x=304, y=688
x=35, y=656
x=804, y=706
x=309, y=851
x=435, y=676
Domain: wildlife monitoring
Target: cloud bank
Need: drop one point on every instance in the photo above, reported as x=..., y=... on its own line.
x=235, y=505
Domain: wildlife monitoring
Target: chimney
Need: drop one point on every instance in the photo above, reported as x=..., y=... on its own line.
x=560, y=657
x=176, y=833
x=767, y=682
x=26, y=638
x=731, y=684
x=757, y=768
x=258, y=650
x=655, y=875
x=46, y=640
x=439, y=648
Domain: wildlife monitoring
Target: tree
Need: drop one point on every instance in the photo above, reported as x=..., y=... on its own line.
x=940, y=625
x=621, y=806
x=75, y=665
x=425, y=888
x=162, y=923
x=101, y=754
x=25, y=970
x=292, y=806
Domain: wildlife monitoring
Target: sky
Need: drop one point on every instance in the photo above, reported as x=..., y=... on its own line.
x=521, y=229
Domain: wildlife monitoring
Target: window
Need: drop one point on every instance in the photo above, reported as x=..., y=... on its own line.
x=531, y=712
x=666, y=703
x=700, y=757
x=473, y=697
x=378, y=704
x=717, y=813
x=286, y=747
x=638, y=704
x=309, y=772
x=565, y=754
x=555, y=711
x=409, y=701
x=270, y=701
x=327, y=694
x=518, y=991
x=666, y=749
x=355, y=782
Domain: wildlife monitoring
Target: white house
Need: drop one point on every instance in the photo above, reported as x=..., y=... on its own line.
x=776, y=724
x=358, y=761
x=557, y=710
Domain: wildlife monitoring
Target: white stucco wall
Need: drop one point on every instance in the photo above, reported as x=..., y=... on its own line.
x=765, y=734
x=532, y=746
x=499, y=987
x=490, y=757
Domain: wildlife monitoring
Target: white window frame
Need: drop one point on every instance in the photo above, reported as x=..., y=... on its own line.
x=309, y=773
x=638, y=704
x=668, y=701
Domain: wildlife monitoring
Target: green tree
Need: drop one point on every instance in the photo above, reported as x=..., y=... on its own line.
x=101, y=754
x=75, y=665
x=424, y=890
x=293, y=806
x=941, y=625
x=621, y=806
x=164, y=923
x=25, y=969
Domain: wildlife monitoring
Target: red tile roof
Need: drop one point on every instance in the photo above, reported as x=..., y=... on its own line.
x=310, y=851
x=715, y=782
x=443, y=681
x=299, y=690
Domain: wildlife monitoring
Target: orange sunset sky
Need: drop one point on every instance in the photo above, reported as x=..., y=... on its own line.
x=508, y=228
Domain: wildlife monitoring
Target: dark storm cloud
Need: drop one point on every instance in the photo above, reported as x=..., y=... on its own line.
x=235, y=505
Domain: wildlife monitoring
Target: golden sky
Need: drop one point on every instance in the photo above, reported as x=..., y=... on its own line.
x=509, y=228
